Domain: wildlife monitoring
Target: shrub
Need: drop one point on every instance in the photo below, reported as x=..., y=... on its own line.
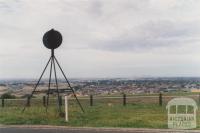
x=27, y=95
x=7, y=96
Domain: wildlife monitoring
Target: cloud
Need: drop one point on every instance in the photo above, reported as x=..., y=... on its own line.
x=10, y=6
x=101, y=35
x=153, y=34
x=113, y=25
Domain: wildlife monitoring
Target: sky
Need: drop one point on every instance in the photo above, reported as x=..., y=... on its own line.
x=101, y=38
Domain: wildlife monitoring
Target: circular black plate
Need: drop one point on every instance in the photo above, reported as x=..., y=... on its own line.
x=52, y=39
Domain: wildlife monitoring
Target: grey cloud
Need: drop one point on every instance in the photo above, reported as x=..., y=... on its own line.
x=96, y=8
x=170, y=29
x=152, y=35
x=10, y=6
x=105, y=25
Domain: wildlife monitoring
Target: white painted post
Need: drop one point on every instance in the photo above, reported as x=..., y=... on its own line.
x=66, y=109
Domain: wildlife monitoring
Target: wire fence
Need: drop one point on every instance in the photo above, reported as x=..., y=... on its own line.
x=91, y=100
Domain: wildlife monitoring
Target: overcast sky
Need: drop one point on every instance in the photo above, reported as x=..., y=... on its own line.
x=101, y=38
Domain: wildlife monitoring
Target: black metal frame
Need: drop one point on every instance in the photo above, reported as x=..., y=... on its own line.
x=53, y=61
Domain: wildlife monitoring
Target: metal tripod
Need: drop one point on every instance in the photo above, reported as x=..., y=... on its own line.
x=53, y=63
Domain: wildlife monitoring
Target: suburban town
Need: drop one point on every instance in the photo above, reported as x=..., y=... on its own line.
x=86, y=87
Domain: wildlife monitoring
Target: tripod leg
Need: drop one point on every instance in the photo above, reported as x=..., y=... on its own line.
x=49, y=85
x=69, y=85
x=59, y=107
x=37, y=84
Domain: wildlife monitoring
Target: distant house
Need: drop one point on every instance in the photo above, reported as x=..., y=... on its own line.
x=195, y=90
x=168, y=90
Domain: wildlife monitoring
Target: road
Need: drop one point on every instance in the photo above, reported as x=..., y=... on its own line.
x=50, y=129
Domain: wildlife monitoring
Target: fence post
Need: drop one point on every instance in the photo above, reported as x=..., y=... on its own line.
x=60, y=100
x=160, y=99
x=199, y=98
x=91, y=100
x=124, y=99
x=3, y=102
x=44, y=101
x=66, y=109
x=28, y=101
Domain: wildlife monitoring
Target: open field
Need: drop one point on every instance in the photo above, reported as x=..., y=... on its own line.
x=99, y=116
x=140, y=112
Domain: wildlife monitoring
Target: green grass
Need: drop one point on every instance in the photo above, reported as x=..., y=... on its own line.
x=101, y=115
x=139, y=113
